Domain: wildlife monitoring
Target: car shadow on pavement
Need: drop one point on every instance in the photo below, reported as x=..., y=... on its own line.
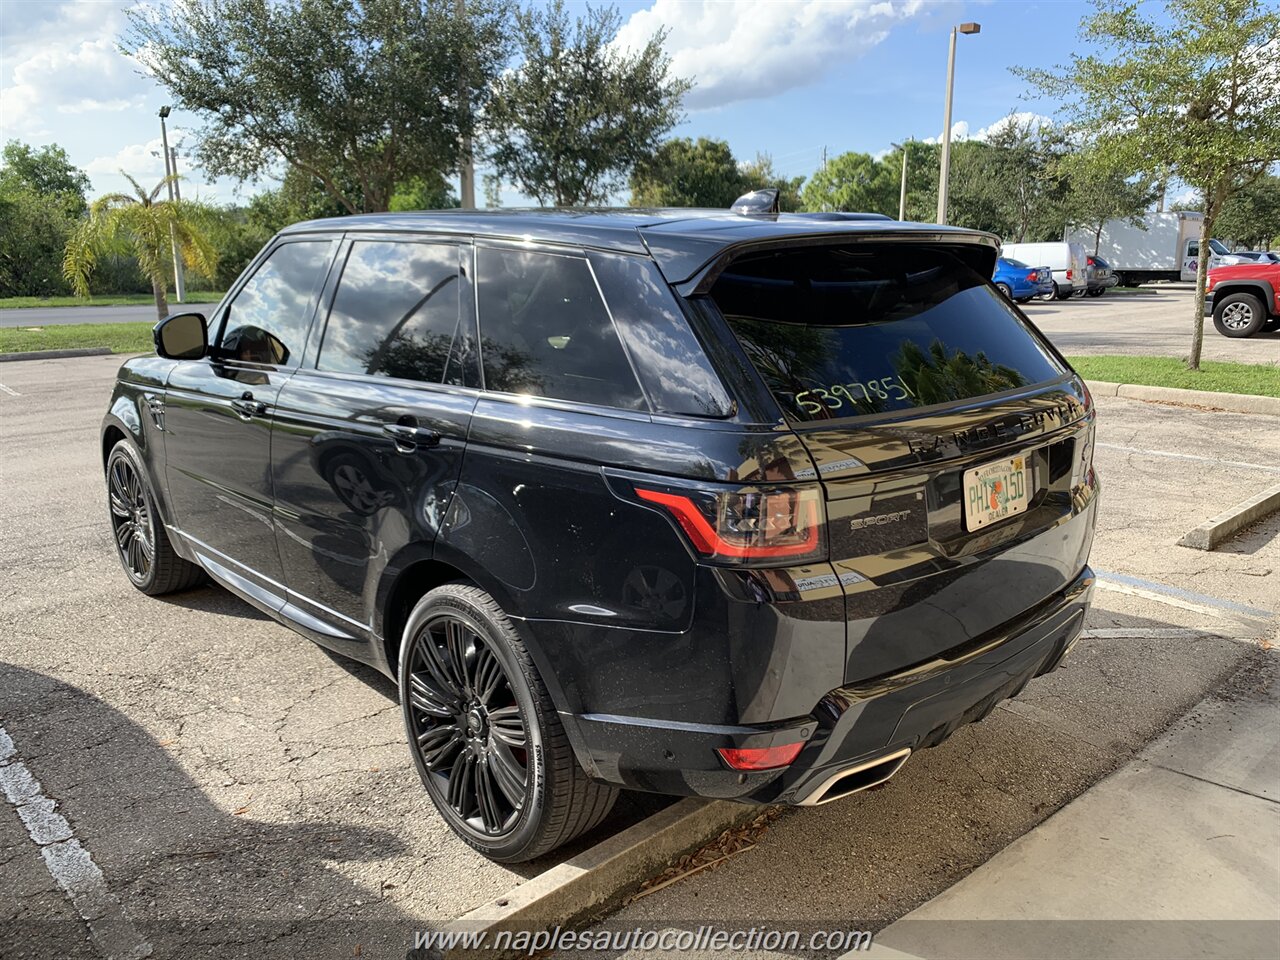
x=193, y=878
x=211, y=598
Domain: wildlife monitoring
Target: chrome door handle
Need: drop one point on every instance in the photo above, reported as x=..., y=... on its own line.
x=410, y=437
x=248, y=407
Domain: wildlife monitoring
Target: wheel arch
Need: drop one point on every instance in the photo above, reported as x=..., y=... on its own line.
x=419, y=568
x=1259, y=288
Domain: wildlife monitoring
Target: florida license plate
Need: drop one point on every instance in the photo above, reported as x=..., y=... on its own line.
x=994, y=492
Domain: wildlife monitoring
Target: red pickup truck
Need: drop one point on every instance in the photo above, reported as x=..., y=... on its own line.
x=1244, y=298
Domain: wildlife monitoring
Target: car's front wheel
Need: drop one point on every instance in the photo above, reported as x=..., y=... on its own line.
x=1239, y=315
x=484, y=733
x=142, y=544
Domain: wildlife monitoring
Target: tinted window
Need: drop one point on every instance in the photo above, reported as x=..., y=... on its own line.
x=395, y=313
x=1016, y=264
x=268, y=319
x=545, y=331
x=843, y=331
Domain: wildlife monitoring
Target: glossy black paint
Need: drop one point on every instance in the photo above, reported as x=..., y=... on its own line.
x=342, y=498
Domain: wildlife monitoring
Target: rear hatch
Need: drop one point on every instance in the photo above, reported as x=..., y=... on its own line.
x=945, y=431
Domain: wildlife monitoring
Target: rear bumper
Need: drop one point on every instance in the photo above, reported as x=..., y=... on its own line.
x=852, y=728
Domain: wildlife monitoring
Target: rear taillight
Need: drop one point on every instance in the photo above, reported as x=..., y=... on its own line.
x=1069, y=274
x=760, y=758
x=750, y=525
x=1032, y=277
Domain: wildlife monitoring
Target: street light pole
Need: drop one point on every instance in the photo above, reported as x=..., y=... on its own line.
x=901, y=196
x=945, y=173
x=179, y=281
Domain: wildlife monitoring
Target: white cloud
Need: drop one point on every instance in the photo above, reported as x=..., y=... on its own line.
x=1025, y=118
x=82, y=76
x=750, y=49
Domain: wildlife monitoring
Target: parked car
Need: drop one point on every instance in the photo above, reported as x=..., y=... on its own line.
x=1259, y=256
x=1066, y=260
x=746, y=507
x=1161, y=246
x=1244, y=299
x=1022, y=283
x=1101, y=276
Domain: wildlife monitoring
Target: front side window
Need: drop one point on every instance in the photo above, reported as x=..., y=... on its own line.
x=545, y=332
x=395, y=313
x=866, y=329
x=268, y=319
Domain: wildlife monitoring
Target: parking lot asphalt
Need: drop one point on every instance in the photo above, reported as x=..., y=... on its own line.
x=1152, y=320
x=60, y=316
x=244, y=794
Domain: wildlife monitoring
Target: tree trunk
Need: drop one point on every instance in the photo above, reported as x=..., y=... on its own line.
x=162, y=301
x=1097, y=238
x=1212, y=202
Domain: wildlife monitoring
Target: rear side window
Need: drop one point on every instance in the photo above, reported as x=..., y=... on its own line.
x=395, y=313
x=544, y=330
x=849, y=331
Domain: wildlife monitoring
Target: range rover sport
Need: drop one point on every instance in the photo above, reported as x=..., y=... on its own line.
x=736, y=506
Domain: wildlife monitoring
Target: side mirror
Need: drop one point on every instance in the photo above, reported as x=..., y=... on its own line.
x=182, y=336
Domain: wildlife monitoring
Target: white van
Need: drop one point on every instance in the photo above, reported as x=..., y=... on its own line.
x=1068, y=261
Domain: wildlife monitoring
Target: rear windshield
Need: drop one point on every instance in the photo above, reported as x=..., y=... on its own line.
x=849, y=331
x=1016, y=264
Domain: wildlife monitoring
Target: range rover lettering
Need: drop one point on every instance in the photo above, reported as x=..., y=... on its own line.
x=747, y=506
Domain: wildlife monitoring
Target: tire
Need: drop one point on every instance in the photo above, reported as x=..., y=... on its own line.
x=1097, y=292
x=473, y=732
x=1058, y=294
x=1238, y=315
x=1005, y=291
x=142, y=544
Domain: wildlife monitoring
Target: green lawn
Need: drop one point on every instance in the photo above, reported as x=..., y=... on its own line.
x=120, y=337
x=193, y=296
x=1256, y=378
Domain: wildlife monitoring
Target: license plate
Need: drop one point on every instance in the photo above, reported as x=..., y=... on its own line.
x=994, y=492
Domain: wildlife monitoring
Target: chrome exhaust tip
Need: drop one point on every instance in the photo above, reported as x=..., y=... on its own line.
x=862, y=776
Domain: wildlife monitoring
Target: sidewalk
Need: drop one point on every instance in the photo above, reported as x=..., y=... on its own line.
x=1176, y=855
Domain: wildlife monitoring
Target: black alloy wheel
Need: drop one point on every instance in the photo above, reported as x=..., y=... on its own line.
x=132, y=521
x=142, y=544
x=485, y=734
x=467, y=727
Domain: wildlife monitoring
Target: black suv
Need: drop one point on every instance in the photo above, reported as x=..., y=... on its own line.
x=738, y=506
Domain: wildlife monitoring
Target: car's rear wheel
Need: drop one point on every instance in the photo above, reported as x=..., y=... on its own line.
x=484, y=733
x=1239, y=315
x=1005, y=291
x=142, y=544
x=1097, y=291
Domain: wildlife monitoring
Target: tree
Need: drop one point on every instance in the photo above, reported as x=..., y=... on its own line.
x=853, y=182
x=1024, y=179
x=361, y=95
x=1251, y=216
x=143, y=225
x=687, y=174
x=424, y=193
x=46, y=172
x=578, y=113
x=1192, y=96
x=1098, y=191
x=759, y=173
x=33, y=233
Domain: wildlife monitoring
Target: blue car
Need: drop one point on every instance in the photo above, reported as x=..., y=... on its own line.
x=1019, y=282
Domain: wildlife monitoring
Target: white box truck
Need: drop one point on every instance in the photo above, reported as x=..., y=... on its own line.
x=1165, y=247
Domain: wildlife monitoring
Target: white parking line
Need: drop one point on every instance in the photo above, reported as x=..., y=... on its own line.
x=1264, y=467
x=10, y=391
x=67, y=861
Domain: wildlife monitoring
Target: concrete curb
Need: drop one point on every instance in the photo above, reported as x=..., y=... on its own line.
x=1231, y=402
x=1212, y=532
x=56, y=354
x=595, y=879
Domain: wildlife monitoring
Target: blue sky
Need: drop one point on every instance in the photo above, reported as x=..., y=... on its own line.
x=784, y=78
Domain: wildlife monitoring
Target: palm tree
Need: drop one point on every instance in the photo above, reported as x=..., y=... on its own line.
x=147, y=228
